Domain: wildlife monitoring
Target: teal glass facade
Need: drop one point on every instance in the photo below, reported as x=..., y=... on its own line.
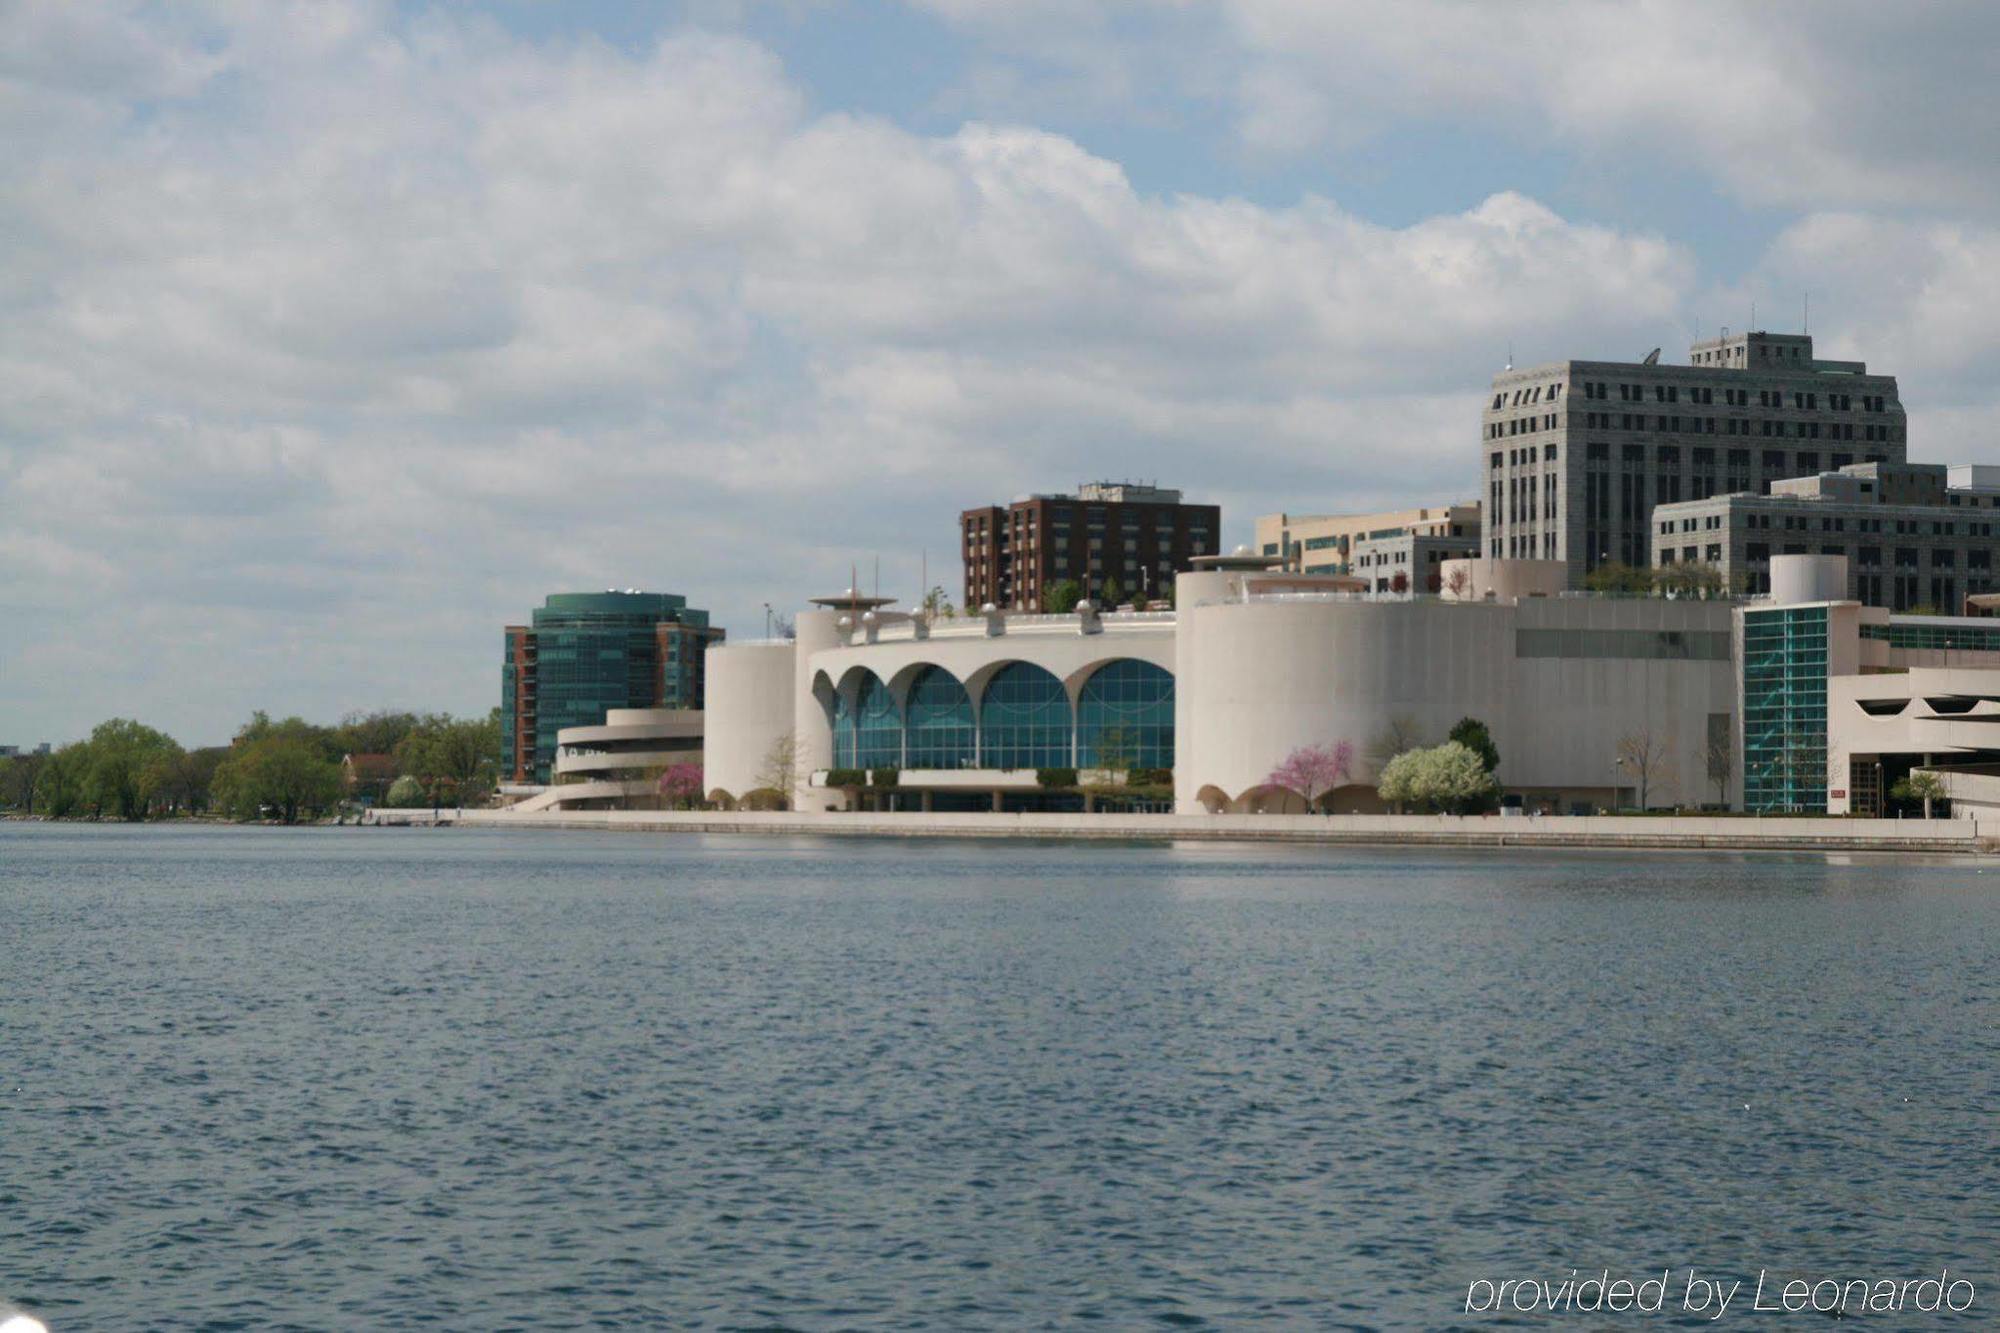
x=939, y=731
x=1125, y=717
x=591, y=653
x=1024, y=720
x=840, y=719
x=1784, y=709
x=878, y=727
x=1898, y=634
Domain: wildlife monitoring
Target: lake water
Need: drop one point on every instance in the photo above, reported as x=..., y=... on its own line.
x=343, y=1078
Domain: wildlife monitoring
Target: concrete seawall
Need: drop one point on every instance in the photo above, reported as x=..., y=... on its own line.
x=1690, y=832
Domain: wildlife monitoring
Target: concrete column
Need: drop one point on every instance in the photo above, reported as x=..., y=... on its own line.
x=817, y=631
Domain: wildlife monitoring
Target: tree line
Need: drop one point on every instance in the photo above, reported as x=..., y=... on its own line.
x=285, y=770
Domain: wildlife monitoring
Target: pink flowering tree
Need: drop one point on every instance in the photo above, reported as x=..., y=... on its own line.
x=680, y=786
x=1314, y=770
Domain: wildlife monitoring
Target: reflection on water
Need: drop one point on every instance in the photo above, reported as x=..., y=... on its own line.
x=371, y=1077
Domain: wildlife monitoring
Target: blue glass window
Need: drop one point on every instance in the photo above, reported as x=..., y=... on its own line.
x=1024, y=720
x=841, y=720
x=878, y=726
x=939, y=732
x=1125, y=718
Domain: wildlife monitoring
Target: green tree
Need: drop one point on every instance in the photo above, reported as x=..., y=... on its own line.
x=17, y=780
x=116, y=755
x=180, y=784
x=937, y=606
x=1111, y=595
x=1473, y=735
x=1060, y=598
x=59, y=784
x=1921, y=785
x=373, y=733
x=454, y=755
x=1448, y=777
x=323, y=740
x=284, y=775
x=1691, y=578
x=1616, y=576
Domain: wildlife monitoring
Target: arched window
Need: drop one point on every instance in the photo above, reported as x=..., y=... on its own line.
x=1125, y=717
x=878, y=729
x=939, y=731
x=841, y=719
x=1024, y=720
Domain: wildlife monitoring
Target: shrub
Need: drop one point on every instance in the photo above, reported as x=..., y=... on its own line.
x=1448, y=777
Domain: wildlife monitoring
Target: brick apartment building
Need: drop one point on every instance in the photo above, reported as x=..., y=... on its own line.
x=1139, y=536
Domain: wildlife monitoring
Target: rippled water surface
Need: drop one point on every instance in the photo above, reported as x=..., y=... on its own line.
x=340, y=1078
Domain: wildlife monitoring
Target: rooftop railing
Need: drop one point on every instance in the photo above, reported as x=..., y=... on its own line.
x=974, y=626
x=1242, y=598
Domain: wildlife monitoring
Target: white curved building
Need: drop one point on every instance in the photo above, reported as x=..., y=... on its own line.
x=615, y=766
x=1255, y=664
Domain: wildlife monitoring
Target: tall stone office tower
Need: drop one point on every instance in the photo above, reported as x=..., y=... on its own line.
x=1575, y=454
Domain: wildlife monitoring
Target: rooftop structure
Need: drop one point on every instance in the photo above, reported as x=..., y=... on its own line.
x=1127, y=493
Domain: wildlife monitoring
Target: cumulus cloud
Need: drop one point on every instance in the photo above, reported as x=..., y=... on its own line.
x=1915, y=298
x=335, y=338
x=1797, y=103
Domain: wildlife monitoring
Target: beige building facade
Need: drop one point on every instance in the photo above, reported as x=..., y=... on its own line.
x=1254, y=662
x=1330, y=543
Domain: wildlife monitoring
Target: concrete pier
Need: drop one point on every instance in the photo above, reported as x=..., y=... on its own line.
x=1692, y=832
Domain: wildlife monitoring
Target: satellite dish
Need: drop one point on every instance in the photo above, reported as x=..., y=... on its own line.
x=1652, y=358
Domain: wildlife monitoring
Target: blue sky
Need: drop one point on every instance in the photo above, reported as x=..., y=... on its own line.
x=333, y=337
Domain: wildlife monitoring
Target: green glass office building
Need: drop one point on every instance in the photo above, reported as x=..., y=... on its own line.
x=586, y=653
x=1784, y=709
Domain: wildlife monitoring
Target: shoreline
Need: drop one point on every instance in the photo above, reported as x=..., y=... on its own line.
x=1667, y=832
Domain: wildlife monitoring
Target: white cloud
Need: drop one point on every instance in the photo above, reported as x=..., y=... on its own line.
x=1802, y=103
x=1916, y=299
x=335, y=340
